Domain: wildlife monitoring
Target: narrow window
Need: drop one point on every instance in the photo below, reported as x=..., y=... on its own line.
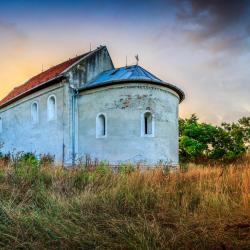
x=51, y=108
x=147, y=126
x=1, y=125
x=148, y=123
x=101, y=126
x=34, y=112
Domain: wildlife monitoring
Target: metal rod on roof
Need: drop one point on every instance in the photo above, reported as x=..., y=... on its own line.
x=137, y=59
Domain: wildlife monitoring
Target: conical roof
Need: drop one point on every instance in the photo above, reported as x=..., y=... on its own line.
x=133, y=73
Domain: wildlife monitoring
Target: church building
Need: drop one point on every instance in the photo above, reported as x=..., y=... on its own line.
x=86, y=106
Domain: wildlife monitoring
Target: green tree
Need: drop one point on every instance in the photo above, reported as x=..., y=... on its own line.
x=244, y=124
x=201, y=141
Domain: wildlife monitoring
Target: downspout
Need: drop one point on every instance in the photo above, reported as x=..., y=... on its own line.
x=73, y=135
x=63, y=115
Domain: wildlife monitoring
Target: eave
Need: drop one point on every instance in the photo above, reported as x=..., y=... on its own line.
x=178, y=91
x=33, y=90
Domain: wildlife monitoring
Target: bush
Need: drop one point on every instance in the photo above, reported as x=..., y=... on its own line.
x=103, y=168
x=26, y=167
x=47, y=159
x=82, y=177
x=126, y=168
x=5, y=159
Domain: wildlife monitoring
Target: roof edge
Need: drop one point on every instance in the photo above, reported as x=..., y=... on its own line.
x=41, y=85
x=177, y=90
x=30, y=91
x=86, y=56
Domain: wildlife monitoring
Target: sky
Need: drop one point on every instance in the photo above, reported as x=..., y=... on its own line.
x=201, y=46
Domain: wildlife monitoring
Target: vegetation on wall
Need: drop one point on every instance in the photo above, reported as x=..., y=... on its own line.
x=201, y=141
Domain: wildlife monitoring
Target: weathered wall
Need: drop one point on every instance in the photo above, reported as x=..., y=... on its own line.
x=74, y=130
x=90, y=67
x=123, y=105
x=20, y=134
x=54, y=137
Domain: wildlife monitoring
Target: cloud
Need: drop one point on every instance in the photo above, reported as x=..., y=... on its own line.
x=13, y=47
x=218, y=24
x=12, y=39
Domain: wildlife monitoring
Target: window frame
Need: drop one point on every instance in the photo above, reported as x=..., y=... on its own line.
x=55, y=114
x=143, y=125
x=37, y=112
x=98, y=136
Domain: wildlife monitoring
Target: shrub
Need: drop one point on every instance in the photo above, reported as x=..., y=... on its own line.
x=47, y=159
x=103, y=168
x=26, y=167
x=82, y=177
x=126, y=168
x=5, y=159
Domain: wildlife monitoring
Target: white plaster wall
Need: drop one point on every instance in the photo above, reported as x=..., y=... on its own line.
x=90, y=67
x=56, y=136
x=123, y=106
x=20, y=134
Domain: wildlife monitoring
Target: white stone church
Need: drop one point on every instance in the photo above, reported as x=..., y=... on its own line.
x=85, y=106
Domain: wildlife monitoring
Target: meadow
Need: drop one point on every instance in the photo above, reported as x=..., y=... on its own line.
x=93, y=207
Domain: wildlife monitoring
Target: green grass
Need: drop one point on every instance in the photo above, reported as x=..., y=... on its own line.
x=47, y=207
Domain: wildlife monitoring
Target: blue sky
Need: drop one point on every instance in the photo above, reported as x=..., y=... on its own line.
x=201, y=46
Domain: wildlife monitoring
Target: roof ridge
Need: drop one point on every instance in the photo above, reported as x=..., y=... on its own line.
x=41, y=78
x=57, y=65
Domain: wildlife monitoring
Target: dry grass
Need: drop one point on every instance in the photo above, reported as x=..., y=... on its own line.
x=53, y=208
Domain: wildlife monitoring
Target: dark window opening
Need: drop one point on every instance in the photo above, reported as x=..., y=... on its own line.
x=101, y=126
x=148, y=123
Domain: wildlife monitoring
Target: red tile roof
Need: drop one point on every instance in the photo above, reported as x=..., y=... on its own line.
x=41, y=78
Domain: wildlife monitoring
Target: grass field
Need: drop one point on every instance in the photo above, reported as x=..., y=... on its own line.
x=43, y=207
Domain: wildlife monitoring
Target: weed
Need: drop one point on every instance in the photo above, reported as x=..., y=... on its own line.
x=93, y=207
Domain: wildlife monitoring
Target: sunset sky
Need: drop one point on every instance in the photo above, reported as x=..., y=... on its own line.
x=201, y=46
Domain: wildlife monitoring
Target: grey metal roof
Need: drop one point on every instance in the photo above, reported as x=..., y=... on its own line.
x=133, y=73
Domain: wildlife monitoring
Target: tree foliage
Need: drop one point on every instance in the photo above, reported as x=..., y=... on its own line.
x=202, y=141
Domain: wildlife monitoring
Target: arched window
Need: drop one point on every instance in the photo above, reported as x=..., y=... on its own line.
x=34, y=113
x=147, y=124
x=1, y=125
x=101, y=126
x=51, y=108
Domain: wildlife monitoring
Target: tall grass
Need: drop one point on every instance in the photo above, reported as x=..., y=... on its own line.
x=46, y=207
